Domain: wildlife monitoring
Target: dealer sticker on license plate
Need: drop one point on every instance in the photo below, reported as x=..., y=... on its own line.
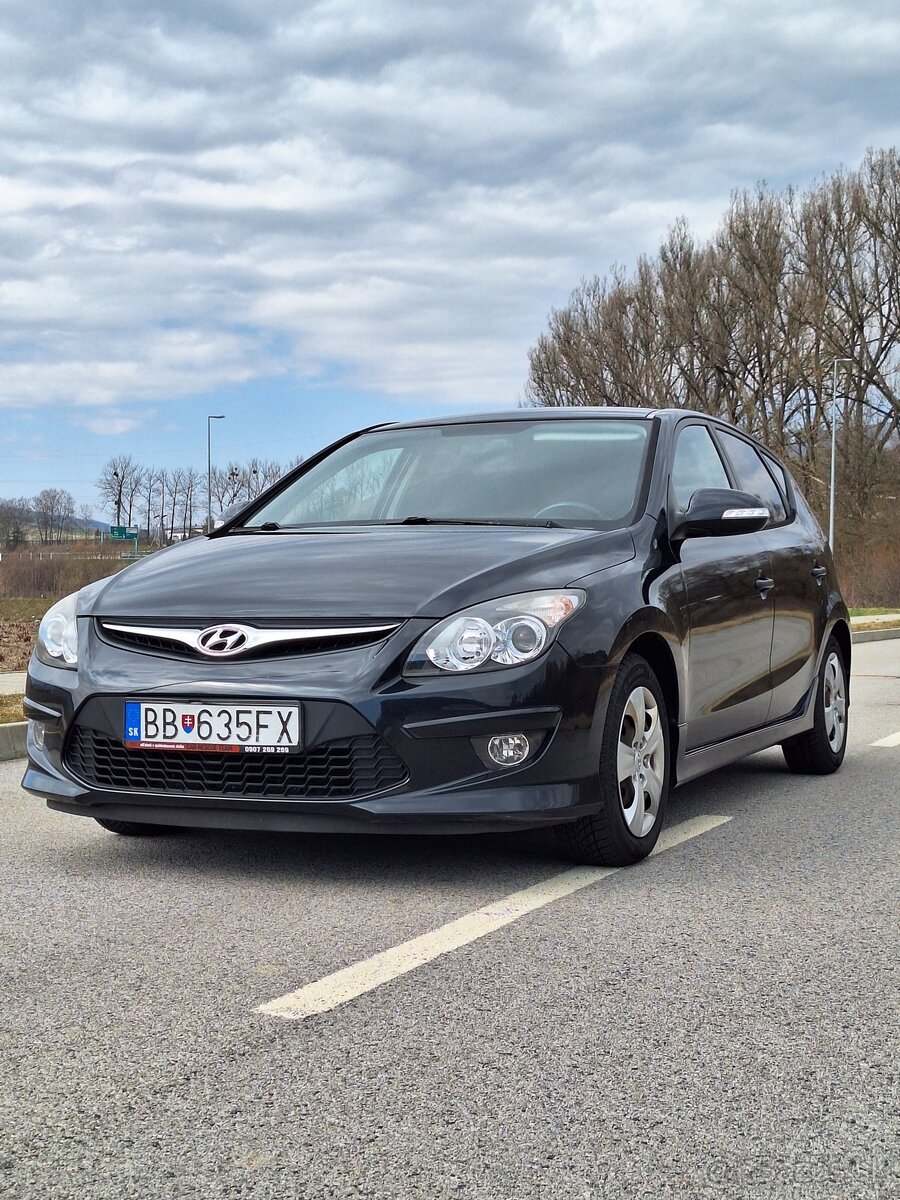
x=228, y=728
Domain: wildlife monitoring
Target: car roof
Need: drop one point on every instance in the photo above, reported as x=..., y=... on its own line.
x=569, y=413
x=529, y=414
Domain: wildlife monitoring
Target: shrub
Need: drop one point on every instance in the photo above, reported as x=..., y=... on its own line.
x=54, y=573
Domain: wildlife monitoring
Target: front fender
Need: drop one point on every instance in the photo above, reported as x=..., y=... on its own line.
x=617, y=618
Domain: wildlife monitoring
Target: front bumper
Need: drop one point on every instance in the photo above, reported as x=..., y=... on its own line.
x=432, y=732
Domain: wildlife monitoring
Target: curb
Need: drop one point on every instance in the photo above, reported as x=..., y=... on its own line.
x=875, y=635
x=12, y=740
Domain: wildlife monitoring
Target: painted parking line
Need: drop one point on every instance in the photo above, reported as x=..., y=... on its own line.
x=337, y=989
x=893, y=739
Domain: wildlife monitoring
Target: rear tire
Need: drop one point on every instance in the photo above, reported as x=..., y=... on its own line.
x=820, y=751
x=634, y=774
x=132, y=828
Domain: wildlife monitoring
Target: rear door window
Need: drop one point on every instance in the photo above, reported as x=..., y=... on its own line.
x=753, y=475
x=697, y=464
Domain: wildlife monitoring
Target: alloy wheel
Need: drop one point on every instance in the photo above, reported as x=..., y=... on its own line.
x=835, y=702
x=641, y=761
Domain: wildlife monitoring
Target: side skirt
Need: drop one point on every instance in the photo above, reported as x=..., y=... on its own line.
x=698, y=762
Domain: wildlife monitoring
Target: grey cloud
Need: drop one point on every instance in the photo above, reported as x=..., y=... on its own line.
x=194, y=195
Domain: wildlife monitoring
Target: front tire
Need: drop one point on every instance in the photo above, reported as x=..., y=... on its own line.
x=634, y=774
x=820, y=751
x=132, y=828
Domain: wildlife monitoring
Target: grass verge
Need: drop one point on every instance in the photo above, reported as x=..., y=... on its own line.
x=11, y=709
x=19, y=608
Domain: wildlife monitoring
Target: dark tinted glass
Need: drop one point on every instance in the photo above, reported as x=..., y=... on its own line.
x=696, y=465
x=753, y=476
x=578, y=472
x=779, y=472
x=805, y=512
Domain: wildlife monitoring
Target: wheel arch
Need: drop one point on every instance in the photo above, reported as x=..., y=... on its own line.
x=841, y=632
x=656, y=652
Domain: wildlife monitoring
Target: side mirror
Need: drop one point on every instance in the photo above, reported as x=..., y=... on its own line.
x=717, y=512
x=229, y=513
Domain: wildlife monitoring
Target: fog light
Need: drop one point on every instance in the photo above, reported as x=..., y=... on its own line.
x=37, y=733
x=509, y=749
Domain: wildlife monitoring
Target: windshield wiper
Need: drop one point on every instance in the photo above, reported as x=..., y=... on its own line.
x=478, y=521
x=350, y=526
x=266, y=527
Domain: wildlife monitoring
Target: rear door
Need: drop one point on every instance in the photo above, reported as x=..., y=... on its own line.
x=731, y=618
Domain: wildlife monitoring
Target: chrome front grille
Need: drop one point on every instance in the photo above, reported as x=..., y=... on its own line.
x=183, y=641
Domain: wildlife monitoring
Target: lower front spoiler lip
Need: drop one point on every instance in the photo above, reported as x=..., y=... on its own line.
x=343, y=822
x=480, y=810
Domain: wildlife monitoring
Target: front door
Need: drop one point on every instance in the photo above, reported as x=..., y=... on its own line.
x=731, y=617
x=731, y=625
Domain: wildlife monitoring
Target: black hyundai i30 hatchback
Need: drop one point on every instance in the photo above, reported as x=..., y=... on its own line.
x=472, y=623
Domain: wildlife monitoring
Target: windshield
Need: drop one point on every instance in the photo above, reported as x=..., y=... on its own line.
x=568, y=472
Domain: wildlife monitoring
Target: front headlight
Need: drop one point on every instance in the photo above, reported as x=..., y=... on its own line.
x=57, y=639
x=500, y=633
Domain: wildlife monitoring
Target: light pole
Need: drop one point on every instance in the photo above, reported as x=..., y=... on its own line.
x=834, y=367
x=209, y=421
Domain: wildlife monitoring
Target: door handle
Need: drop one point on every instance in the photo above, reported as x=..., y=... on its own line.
x=764, y=585
x=818, y=574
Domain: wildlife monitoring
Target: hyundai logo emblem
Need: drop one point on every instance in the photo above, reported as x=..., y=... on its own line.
x=220, y=640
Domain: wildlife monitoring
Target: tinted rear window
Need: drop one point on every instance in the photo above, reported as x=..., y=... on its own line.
x=753, y=475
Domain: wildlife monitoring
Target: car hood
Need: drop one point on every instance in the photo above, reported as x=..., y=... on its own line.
x=396, y=571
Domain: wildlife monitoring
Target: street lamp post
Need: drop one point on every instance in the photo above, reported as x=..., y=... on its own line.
x=834, y=374
x=209, y=421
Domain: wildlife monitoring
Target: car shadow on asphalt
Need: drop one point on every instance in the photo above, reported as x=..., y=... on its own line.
x=352, y=859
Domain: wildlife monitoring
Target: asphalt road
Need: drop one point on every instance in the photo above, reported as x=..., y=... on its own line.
x=719, y=1021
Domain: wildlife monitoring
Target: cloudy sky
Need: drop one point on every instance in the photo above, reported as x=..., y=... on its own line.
x=313, y=216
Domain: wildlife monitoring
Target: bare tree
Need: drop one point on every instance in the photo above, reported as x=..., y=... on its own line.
x=245, y=481
x=118, y=486
x=147, y=490
x=747, y=325
x=165, y=500
x=54, y=512
x=191, y=481
x=15, y=516
x=173, y=481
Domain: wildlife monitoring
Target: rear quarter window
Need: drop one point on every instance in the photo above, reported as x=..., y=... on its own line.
x=805, y=513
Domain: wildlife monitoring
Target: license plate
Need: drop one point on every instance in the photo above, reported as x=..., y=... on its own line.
x=226, y=728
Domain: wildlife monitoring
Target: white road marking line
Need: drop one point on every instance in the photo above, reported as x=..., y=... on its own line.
x=893, y=739
x=334, y=990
